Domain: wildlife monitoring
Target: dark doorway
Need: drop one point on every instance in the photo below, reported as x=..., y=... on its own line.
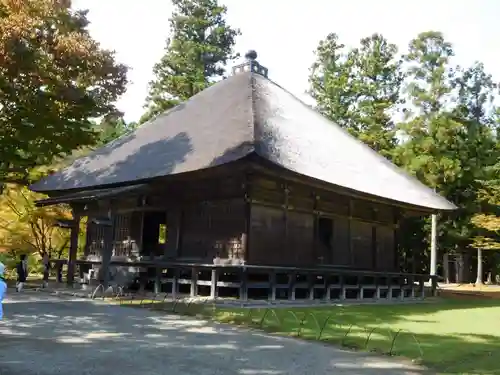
x=325, y=237
x=154, y=233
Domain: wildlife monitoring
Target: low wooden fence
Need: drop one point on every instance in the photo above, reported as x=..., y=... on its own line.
x=263, y=282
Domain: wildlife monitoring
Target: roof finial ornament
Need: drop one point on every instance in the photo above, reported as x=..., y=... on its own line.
x=251, y=55
x=251, y=65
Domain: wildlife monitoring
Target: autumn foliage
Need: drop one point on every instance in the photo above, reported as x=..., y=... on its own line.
x=54, y=79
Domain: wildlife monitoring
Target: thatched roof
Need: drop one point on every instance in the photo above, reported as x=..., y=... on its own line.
x=241, y=115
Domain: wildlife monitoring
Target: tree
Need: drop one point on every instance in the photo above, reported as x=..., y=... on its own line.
x=475, y=94
x=359, y=89
x=487, y=221
x=330, y=82
x=112, y=127
x=54, y=78
x=428, y=129
x=25, y=228
x=428, y=138
x=447, y=133
x=200, y=45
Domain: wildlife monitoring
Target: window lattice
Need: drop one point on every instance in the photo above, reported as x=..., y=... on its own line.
x=96, y=239
x=122, y=243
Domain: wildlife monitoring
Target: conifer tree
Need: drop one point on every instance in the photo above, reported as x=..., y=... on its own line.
x=199, y=47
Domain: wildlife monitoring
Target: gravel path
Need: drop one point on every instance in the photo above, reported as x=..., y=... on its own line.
x=48, y=335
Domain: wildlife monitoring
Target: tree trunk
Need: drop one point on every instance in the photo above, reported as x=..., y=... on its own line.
x=459, y=268
x=479, y=279
x=446, y=268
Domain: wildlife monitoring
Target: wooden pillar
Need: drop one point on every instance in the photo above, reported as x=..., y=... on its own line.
x=213, y=283
x=243, y=284
x=479, y=277
x=165, y=244
x=374, y=243
x=245, y=240
x=73, y=247
x=396, y=240
x=272, y=286
x=284, y=252
x=316, y=232
x=107, y=251
x=433, y=264
x=179, y=230
x=157, y=286
x=194, y=282
x=87, y=238
x=349, y=233
x=141, y=235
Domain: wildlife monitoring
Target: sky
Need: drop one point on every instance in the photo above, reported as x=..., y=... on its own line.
x=285, y=33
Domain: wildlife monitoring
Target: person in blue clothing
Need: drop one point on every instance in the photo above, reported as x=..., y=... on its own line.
x=3, y=288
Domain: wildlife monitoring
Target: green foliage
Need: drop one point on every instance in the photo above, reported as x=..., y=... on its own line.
x=447, y=137
x=54, y=78
x=112, y=127
x=488, y=221
x=200, y=46
x=359, y=89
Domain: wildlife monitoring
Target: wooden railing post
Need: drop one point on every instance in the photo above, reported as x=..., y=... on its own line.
x=291, y=285
x=342, y=288
x=175, y=283
x=158, y=272
x=328, y=290
x=311, y=279
x=401, y=288
x=243, y=284
x=193, y=292
x=213, y=284
x=272, y=285
x=361, y=291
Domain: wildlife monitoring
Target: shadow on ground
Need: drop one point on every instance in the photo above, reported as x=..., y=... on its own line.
x=453, y=337
x=45, y=335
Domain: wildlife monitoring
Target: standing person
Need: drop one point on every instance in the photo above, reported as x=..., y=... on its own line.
x=3, y=288
x=46, y=268
x=22, y=272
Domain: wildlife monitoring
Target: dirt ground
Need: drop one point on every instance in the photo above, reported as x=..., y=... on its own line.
x=470, y=291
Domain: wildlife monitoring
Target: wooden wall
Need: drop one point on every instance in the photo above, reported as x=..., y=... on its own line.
x=213, y=228
x=293, y=224
x=264, y=220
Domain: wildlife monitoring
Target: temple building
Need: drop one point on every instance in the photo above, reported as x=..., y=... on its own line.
x=243, y=173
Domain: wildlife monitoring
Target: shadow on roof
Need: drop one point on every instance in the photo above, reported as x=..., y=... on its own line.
x=162, y=155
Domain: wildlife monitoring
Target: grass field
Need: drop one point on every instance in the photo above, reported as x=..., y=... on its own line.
x=450, y=336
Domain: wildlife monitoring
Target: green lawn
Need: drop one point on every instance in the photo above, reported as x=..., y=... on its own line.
x=450, y=336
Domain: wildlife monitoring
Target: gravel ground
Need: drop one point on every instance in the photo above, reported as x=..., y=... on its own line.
x=47, y=335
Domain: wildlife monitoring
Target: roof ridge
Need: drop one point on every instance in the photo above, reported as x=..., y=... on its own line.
x=252, y=107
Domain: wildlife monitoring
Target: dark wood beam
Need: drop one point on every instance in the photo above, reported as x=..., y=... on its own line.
x=322, y=213
x=281, y=174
